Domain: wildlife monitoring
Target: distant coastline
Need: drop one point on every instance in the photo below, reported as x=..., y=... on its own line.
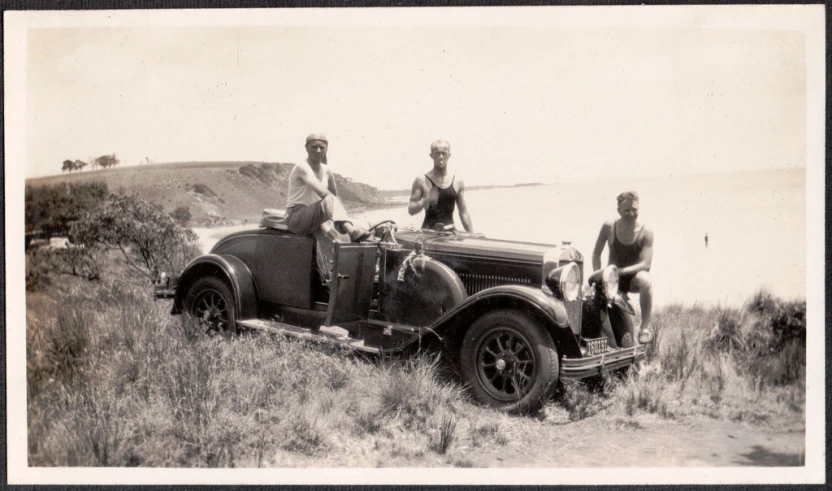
x=396, y=193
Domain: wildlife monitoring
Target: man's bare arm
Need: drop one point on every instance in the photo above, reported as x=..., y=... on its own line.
x=600, y=243
x=464, y=216
x=331, y=186
x=418, y=197
x=645, y=258
x=311, y=180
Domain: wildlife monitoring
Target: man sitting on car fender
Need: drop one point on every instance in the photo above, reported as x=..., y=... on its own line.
x=313, y=207
x=631, y=250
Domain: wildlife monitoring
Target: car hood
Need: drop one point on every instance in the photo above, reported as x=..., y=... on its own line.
x=474, y=246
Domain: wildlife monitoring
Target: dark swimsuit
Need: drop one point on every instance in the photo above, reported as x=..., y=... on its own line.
x=443, y=211
x=623, y=255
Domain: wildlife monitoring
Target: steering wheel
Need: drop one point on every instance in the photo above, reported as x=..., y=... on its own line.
x=381, y=223
x=388, y=239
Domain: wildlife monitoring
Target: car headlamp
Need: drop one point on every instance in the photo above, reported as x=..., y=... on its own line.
x=608, y=277
x=565, y=281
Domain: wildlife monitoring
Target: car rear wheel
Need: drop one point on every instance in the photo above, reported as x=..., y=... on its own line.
x=211, y=301
x=509, y=361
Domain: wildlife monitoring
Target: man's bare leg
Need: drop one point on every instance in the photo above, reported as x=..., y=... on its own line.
x=644, y=287
x=336, y=212
x=331, y=232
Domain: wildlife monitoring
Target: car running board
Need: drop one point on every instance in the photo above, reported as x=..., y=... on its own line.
x=325, y=334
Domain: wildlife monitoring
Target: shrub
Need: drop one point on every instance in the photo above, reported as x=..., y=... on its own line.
x=776, y=353
x=37, y=271
x=182, y=215
x=727, y=335
x=204, y=190
x=149, y=240
x=581, y=398
x=74, y=261
x=53, y=209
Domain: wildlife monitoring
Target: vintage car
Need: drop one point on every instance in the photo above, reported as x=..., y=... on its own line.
x=510, y=314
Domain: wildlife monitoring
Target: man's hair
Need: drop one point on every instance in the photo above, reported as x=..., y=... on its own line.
x=627, y=197
x=439, y=142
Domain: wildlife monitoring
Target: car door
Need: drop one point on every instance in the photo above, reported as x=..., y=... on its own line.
x=351, y=289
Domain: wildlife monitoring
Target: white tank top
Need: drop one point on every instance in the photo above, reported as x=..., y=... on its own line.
x=301, y=194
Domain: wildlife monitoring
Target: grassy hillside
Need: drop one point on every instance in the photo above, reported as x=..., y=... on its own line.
x=114, y=380
x=216, y=193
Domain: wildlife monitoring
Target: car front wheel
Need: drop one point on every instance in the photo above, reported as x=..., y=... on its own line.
x=211, y=301
x=509, y=361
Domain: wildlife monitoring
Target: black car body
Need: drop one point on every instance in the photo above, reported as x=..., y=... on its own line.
x=504, y=310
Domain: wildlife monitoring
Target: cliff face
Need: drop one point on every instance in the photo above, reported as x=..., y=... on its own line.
x=216, y=193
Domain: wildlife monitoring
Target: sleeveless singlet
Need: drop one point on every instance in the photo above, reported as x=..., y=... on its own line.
x=303, y=194
x=623, y=255
x=443, y=211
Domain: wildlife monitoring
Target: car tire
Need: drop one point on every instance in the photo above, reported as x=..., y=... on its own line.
x=509, y=362
x=211, y=300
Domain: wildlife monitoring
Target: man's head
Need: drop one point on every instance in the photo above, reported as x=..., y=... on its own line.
x=316, y=146
x=628, y=205
x=440, y=152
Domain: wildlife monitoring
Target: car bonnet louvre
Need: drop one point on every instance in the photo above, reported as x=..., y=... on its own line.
x=475, y=283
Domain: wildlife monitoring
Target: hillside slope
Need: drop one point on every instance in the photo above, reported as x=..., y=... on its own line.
x=216, y=193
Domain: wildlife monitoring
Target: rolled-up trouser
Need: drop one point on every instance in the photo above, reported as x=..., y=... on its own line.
x=307, y=219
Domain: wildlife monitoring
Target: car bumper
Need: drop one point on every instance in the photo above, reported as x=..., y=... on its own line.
x=163, y=291
x=577, y=368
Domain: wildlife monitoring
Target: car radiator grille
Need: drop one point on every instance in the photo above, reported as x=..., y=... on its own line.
x=574, y=310
x=476, y=282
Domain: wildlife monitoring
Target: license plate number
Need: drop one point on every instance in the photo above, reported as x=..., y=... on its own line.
x=596, y=346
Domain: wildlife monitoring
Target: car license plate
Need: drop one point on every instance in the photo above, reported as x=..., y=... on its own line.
x=596, y=346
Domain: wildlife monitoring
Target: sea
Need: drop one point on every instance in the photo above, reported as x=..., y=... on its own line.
x=755, y=223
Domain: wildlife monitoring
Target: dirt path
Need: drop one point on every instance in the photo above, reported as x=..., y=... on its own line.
x=642, y=441
x=646, y=441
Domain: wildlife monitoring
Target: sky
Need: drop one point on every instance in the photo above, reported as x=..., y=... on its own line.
x=538, y=103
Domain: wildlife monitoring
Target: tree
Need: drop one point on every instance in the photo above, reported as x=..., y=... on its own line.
x=149, y=240
x=79, y=164
x=107, y=161
x=68, y=166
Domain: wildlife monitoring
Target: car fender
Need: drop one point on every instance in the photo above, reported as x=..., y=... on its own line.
x=623, y=303
x=533, y=301
x=230, y=268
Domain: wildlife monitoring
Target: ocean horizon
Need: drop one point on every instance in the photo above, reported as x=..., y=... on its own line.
x=755, y=222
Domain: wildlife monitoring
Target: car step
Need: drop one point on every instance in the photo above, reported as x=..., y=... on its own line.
x=326, y=334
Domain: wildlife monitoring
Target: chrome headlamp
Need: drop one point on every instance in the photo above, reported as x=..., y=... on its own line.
x=608, y=277
x=565, y=281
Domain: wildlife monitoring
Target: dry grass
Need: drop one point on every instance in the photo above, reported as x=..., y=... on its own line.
x=116, y=381
x=722, y=362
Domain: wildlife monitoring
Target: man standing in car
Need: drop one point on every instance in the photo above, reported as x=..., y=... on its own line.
x=631, y=250
x=438, y=193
